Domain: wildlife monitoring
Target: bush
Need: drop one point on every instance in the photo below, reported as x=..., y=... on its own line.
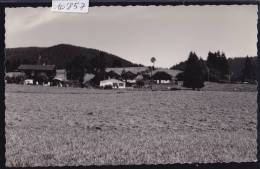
x=108, y=87
x=16, y=79
x=140, y=83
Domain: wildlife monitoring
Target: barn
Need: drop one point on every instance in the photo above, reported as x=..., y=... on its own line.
x=41, y=73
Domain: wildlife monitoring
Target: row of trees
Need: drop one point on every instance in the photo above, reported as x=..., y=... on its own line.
x=215, y=68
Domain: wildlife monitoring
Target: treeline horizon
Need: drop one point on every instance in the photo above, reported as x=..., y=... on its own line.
x=217, y=68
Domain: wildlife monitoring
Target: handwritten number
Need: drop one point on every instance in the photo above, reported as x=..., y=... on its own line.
x=76, y=5
x=71, y=5
x=61, y=7
x=82, y=6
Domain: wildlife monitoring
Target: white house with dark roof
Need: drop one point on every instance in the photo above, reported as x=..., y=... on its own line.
x=116, y=84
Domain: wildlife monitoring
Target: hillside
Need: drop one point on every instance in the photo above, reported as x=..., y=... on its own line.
x=60, y=55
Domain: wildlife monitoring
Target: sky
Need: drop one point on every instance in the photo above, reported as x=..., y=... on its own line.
x=137, y=33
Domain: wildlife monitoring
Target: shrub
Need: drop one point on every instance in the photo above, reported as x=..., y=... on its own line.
x=108, y=87
x=140, y=83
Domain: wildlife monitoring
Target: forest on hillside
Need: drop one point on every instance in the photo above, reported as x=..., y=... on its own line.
x=62, y=56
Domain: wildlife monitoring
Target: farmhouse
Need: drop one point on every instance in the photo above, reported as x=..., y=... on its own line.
x=41, y=73
x=129, y=77
x=114, y=83
x=113, y=75
x=162, y=77
x=15, y=77
x=127, y=74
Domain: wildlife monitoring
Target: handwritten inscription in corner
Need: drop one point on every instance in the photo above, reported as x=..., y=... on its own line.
x=80, y=6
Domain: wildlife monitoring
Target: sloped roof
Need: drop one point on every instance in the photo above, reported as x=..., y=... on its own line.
x=60, y=77
x=87, y=77
x=113, y=74
x=171, y=72
x=14, y=74
x=62, y=71
x=134, y=70
x=112, y=80
x=139, y=77
x=37, y=67
x=161, y=75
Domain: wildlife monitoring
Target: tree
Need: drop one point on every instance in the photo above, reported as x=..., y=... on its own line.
x=124, y=75
x=193, y=74
x=224, y=66
x=211, y=60
x=99, y=76
x=98, y=63
x=41, y=78
x=180, y=76
x=205, y=68
x=153, y=61
x=98, y=66
x=16, y=63
x=8, y=66
x=248, y=73
x=218, y=67
x=76, y=69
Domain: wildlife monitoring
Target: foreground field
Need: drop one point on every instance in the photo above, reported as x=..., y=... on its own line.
x=55, y=126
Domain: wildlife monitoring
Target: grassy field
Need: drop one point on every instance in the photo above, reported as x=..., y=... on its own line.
x=47, y=126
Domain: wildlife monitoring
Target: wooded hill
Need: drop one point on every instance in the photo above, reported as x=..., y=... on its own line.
x=60, y=55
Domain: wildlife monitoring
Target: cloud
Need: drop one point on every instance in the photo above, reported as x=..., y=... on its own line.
x=22, y=19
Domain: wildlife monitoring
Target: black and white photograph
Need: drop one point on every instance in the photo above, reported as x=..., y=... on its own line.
x=130, y=85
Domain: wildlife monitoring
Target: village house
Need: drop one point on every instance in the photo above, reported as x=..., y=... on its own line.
x=39, y=73
x=143, y=75
x=129, y=77
x=162, y=77
x=15, y=77
x=126, y=74
x=113, y=75
x=114, y=83
x=60, y=78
